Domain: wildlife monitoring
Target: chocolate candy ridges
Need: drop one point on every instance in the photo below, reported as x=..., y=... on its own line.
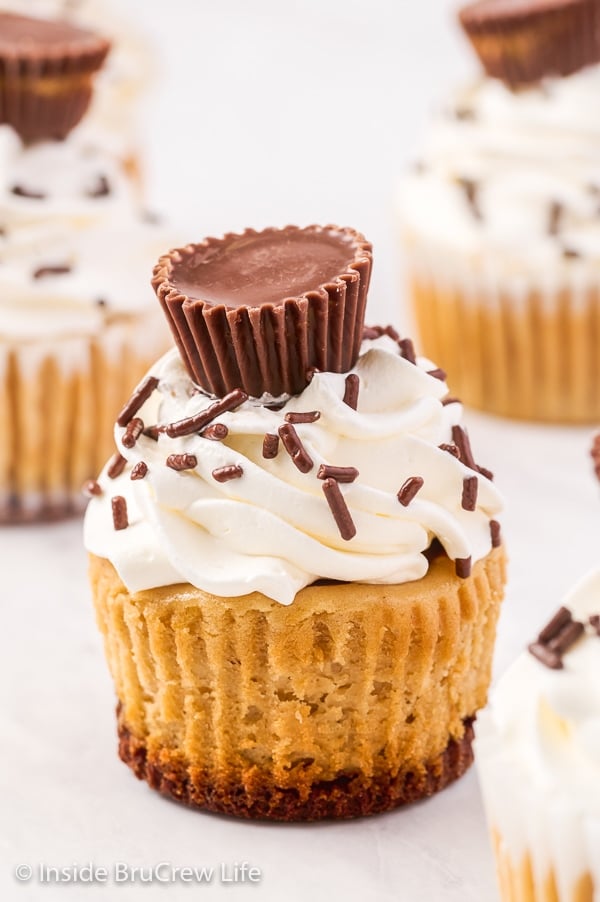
x=261, y=310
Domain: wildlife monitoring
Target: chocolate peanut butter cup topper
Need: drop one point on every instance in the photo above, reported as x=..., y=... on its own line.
x=259, y=310
x=46, y=75
x=525, y=41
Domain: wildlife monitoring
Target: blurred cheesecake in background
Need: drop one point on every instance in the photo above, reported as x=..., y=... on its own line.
x=500, y=217
x=77, y=322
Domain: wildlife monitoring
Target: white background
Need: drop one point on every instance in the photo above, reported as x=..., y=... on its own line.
x=269, y=112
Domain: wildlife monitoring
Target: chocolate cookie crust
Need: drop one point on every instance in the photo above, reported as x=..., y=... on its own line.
x=350, y=795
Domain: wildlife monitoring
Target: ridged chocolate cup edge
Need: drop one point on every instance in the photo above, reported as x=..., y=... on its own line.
x=272, y=347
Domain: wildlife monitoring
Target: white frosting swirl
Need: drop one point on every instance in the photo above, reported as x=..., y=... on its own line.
x=84, y=219
x=271, y=530
x=538, y=750
x=524, y=151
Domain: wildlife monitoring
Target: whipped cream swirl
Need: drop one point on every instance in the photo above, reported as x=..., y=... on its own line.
x=513, y=171
x=538, y=750
x=271, y=530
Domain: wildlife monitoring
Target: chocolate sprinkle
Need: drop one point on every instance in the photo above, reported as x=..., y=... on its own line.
x=295, y=448
x=471, y=190
x=463, y=567
x=461, y=440
x=139, y=471
x=101, y=188
x=215, y=433
x=496, y=533
x=91, y=488
x=198, y=422
x=351, y=391
x=59, y=269
x=153, y=432
x=309, y=417
x=270, y=446
x=556, y=638
x=553, y=628
x=569, y=253
x=567, y=637
x=21, y=191
x=407, y=350
x=451, y=449
x=182, y=461
x=595, y=452
x=595, y=622
x=134, y=429
x=225, y=474
x=373, y=332
x=370, y=333
x=469, y=493
x=438, y=374
x=447, y=401
x=137, y=400
x=116, y=466
x=409, y=489
x=119, y=512
x=340, y=474
x=547, y=657
x=555, y=217
x=339, y=509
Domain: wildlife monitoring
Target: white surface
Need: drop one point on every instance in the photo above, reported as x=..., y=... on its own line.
x=292, y=112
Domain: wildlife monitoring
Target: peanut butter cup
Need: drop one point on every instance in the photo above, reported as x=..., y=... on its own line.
x=46, y=73
x=524, y=41
x=259, y=310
